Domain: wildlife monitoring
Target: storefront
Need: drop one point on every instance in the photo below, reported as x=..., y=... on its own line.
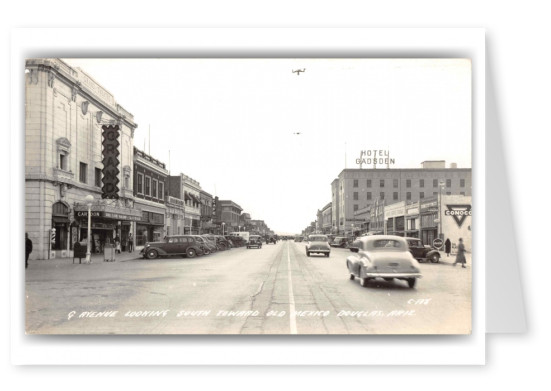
x=150, y=228
x=429, y=220
x=412, y=220
x=175, y=214
x=107, y=222
x=395, y=219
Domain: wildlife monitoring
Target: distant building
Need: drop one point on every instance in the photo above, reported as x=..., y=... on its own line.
x=187, y=189
x=207, y=222
x=150, y=183
x=230, y=213
x=356, y=189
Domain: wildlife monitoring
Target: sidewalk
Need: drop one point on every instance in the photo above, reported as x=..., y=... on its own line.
x=95, y=258
x=444, y=259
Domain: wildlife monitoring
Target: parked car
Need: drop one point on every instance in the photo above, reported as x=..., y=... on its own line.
x=173, y=245
x=271, y=240
x=423, y=253
x=222, y=242
x=384, y=256
x=209, y=247
x=339, y=241
x=298, y=239
x=254, y=241
x=318, y=244
x=237, y=241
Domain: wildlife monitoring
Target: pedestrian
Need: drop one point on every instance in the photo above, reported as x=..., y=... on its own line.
x=448, y=246
x=28, y=249
x=117, y=244
x=460, y=258
x=130, y=243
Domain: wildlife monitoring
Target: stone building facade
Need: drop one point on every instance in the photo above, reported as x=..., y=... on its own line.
x=65, y=110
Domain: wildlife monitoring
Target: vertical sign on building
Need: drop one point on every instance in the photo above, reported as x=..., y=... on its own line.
x=110, y=153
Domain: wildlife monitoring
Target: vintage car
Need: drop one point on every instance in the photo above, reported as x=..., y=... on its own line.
x=173, y=245
x=254, y=241
x=298, y=238
x=339, y=241
x=209, y=247
x=422, y=253
x=317, y=244
x=382, y=256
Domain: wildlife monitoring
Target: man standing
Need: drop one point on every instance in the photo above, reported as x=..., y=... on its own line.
x=130, y=243
x=28, y=249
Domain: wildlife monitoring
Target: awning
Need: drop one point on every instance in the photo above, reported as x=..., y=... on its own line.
x=187, y=196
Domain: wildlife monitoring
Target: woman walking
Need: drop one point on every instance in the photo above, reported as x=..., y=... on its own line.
x=460, y=254
x=448, y=246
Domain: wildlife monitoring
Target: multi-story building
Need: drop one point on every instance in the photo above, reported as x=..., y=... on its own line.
x=150, y=184
x=356, y=189
x=207, y=202
x=187, y=189
x=65, y=112
x=326, y=218
x=230, y=213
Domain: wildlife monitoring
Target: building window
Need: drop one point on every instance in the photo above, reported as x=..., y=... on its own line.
x=147, y=186
x=462, y=183
x=395, y=183
x=154, y=188
x=63, y=161
x=462, y=193
x=408, y=196
x=421, y=195
x=382, y=195
x=435, y=183
x=421, y=183
x=448, y=193
x=434, y=193
x=98, y=177
x=355, y=207
x=448, y=183
x=126, y=182
x=408, y=183
x=140, y=184
x=83, y=172
x=382, y=183
x=395, y=195
x=369, y=195
x=368, y=184
x=355, y=196
x=355, y=183
x=161, y=190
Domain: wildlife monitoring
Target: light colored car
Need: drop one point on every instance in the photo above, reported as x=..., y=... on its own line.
x=382, y=256
x=318, y=244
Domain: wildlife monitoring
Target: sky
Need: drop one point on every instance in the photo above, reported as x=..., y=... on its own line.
x=271, y=140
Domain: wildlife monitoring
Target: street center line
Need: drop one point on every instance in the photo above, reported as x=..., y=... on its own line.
x=292, y=316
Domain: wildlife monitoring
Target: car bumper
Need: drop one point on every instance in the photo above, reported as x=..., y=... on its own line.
x=393, y=275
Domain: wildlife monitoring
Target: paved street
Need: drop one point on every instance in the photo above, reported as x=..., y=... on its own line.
x=273, y=290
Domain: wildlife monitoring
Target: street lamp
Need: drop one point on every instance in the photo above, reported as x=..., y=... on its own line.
x=89, y=200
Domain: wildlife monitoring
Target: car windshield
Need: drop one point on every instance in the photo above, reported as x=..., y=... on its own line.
x=318, y=238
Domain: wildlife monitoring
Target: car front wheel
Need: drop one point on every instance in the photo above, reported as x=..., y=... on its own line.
x=307, y=253
x=152, y=254
x=191, y=253
x=411, y=282
x=435, y=258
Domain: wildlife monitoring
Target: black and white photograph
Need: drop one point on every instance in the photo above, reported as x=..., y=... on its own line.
x=259, y=196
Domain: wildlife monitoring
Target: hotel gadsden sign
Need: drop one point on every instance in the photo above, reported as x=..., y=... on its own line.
x=375, y=157
x=110, y=153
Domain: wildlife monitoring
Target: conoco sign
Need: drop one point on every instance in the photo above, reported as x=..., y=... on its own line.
x=110, y=153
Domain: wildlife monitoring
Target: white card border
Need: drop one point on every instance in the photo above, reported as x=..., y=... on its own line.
x=246, y=350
